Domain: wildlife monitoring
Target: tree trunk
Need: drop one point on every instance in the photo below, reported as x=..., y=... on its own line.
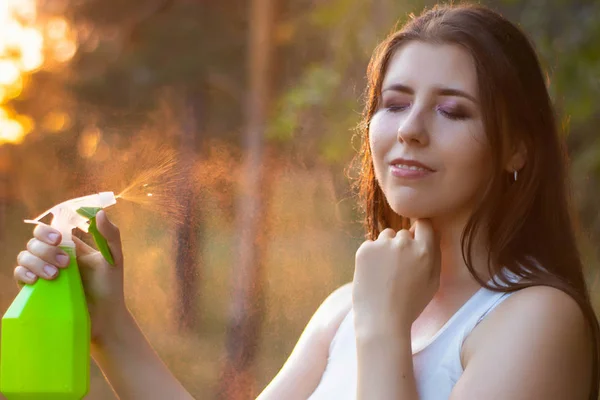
x=5, y=164
x=187, y=270
x=246, y=310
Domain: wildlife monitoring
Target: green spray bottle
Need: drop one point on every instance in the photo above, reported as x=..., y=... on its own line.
x=45, y=344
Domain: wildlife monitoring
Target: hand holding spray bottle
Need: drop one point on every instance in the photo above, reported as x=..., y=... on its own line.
x=45, y=346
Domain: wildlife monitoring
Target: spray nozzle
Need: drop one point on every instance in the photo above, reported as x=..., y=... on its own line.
x=80, y=213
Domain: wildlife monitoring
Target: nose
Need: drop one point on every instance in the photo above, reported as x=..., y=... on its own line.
x=412, y=129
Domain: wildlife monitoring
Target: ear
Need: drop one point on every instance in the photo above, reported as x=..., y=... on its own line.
x=516, y=160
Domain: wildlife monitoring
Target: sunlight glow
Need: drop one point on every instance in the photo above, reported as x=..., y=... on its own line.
x=89, y=141
x=26, y=44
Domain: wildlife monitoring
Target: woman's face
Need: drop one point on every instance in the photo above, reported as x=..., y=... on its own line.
x=429, y=114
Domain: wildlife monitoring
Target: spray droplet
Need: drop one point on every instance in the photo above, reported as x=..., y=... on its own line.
x=155, y=184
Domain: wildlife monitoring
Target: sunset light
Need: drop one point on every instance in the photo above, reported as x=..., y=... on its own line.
x=26, y=43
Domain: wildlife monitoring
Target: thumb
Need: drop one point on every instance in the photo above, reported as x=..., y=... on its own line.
x=112, y=235
x=82, y=248
x=413, y=227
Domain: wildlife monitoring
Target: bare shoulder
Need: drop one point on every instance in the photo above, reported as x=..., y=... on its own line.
x=334, y=308
x=535, y=311
x=535, y=344
x=549, y=305
x=340, y=297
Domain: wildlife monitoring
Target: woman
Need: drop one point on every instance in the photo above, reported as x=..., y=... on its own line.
x=469, y=286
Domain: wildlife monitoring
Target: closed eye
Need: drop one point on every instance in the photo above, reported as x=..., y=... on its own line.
x=452, y=115
x=396, y=108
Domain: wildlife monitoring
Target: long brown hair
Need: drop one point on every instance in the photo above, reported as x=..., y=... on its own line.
x=529, y=223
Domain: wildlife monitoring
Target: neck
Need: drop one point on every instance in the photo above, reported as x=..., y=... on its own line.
x=454, y=272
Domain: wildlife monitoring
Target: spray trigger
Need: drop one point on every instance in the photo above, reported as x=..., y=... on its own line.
x=90, y=213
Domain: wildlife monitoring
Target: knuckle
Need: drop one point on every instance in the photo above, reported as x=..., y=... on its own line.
x=22, y=256
x=405, y=233
x=20, y=276
x=36, y=248
x=366, y=243
x=360, y=252
x=363, y=249
x=387, y=232
x=37, y=230
x=403, y=238
x=40, y=231
x=402, y=242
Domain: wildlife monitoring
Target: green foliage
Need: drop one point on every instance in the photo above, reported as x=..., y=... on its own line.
x=145, y=48
x=567, y=36
x=321, y=105
x=315, y=89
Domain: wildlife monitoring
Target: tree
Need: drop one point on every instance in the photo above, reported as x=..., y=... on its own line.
x=131, y=52
x=246, y=304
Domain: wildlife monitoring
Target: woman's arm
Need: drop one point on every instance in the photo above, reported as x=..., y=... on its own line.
x=385, y=366
x=132, y=368
x=303, y=370
x=535, y=345
x=135, y=371
x=395, y=277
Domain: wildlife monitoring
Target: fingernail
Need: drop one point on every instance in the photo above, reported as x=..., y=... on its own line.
x=53, y=237
x=49, y=270
x=30, y=275
x=62, y=259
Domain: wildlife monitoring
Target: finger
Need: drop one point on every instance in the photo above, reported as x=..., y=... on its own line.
x=47, y=234
x=404, y=234
x=88, y=259
x=413, y=227
x=49, y=254
x=22, y=276
x=112, y=235
x=81, y=248
x=387, y=233
x=36, y=265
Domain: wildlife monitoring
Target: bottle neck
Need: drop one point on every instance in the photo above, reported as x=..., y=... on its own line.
x=67, y=243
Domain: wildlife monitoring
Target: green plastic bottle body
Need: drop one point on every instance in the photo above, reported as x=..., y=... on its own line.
x=46, y=340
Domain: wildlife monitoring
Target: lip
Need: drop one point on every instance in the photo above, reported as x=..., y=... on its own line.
x=412, y=163
x=407, y=173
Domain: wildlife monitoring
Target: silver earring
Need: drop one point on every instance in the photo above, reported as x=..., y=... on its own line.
x=516, y=174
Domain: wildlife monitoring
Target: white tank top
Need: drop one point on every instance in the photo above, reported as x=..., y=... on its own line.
x=437, y=365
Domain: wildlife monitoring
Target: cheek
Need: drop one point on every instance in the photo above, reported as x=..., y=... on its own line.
x=381, y=138
x=468, y=158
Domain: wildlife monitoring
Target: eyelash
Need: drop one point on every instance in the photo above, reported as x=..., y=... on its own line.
x=452, y=116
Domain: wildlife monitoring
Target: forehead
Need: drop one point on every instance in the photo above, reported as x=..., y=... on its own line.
x=421, y=65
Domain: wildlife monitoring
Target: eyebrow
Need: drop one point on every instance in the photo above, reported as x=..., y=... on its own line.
x=442, y=91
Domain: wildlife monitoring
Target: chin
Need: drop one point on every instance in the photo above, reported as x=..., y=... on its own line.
x=411, y=203
x=412, y=211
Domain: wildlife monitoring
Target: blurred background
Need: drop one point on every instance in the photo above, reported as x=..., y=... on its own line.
x=238, y=118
